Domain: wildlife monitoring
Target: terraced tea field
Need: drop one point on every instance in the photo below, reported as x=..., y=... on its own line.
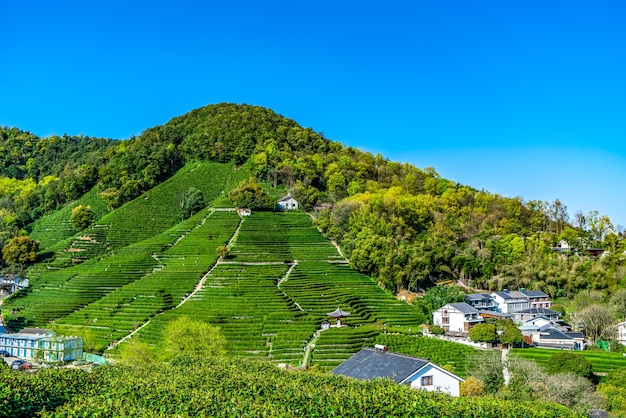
x=273, y=292
x=139, y=267
x=181, y=265
x=602, y=361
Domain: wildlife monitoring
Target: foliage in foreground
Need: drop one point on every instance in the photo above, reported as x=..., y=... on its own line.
x=613, y=387
x=229, y=387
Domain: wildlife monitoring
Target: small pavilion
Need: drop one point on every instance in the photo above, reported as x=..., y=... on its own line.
x=338, y=314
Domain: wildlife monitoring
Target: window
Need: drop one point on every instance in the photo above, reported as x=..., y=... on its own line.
x=427, y=380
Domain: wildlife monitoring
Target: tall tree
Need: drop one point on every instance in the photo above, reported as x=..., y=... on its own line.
x=82, y=217
x=21, y=250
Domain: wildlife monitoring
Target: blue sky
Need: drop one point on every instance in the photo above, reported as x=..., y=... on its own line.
x=521, y=98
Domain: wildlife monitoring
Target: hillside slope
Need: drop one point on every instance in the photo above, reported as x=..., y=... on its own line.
x=404, y=226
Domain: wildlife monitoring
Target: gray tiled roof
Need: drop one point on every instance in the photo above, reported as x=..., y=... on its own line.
x=464, y=308
x=538, y=311
x=535, y=294
x=477, y=297
x=371, y=364
x=513, y=294
x=555, y=334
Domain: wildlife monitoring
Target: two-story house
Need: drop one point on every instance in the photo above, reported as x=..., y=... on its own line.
x=456, y=317
x=481, y=301
x=41, y=343
x=510, y=301
x=537, y=299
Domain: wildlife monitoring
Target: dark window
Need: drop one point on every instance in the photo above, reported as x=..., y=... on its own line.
x=427, y=380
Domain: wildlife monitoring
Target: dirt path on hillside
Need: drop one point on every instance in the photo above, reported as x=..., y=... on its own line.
x=331, y=241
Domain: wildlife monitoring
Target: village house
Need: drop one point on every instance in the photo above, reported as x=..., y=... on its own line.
x=510, y=301
x=524, y=315
x=11, y=283
x=621, y=333
x=456, y=317
x=537, y=299
x=415, y=372
x=244, y=211
x=288, y=203
x=41, y=343
x=544, y=332
x=481, y=301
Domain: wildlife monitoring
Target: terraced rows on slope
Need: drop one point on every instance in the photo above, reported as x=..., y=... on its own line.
x=181, y=265
x=114, y=252
x=265, y=313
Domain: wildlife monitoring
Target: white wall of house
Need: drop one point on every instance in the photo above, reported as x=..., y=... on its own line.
x=510, y=305
x=288, y=204
x=621, y=333
x=449, y=319
x=442, y=380
x=52, y=348
x=539, y=303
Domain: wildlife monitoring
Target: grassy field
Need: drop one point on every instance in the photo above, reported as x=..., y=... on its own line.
x=602, y=361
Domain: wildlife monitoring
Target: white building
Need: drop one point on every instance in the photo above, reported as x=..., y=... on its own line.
x=481, y=301
x=418, y=373
x=456, y=317
x=43, y=343
x=621, y=333
x=537, y=299
x=510, y=301
x=288, y=203
x=11, y=283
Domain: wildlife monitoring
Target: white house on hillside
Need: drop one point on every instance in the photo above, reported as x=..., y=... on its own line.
x=481, y=301
x=510, y=301
x=537, y=299
x=621, y=333
x=288, y=203
x=31, y=342
x=456, y=317
x=418, y=373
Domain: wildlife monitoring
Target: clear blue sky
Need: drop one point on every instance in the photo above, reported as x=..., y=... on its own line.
x=521, y=98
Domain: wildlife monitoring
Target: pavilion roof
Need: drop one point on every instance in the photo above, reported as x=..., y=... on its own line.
x=338, y=313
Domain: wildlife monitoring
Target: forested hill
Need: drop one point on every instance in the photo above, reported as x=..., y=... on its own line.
x=406, y=226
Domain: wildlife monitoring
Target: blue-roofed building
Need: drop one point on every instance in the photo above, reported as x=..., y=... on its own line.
x=416, y=372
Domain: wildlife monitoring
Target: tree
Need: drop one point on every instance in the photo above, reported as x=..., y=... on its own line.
x=438, y=296
x=191, y=337
x=483, y=332
x=564, y=362
x=618, y=300
x=249, y=194
x=511, y=335
x=222, y=251
x=599, y=322
x=21, y=250
x=487, y=367
x=472, y=387
x=191, y=202
x=82, y=217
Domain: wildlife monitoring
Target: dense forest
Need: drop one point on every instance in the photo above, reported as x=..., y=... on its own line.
x=405, y=226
